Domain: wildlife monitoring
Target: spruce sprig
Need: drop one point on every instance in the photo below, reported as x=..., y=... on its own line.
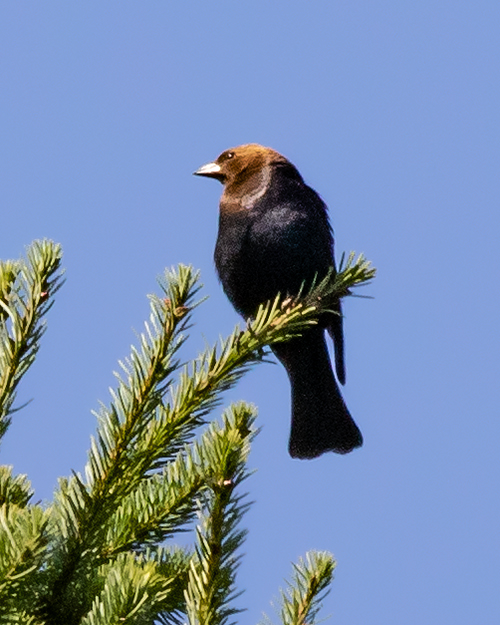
x=102, y=552
x=27, y=289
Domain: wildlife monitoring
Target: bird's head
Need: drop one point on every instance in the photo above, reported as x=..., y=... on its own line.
x=237, y=165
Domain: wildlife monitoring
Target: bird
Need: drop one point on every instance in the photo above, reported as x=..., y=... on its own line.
x=275, y=237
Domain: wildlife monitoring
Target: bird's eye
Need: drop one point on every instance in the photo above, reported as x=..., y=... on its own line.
x=229, y=155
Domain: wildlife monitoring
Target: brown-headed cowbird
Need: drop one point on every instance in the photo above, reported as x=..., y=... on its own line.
x=275, y=237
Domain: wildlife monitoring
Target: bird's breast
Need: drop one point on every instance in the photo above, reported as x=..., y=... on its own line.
x=261, y=254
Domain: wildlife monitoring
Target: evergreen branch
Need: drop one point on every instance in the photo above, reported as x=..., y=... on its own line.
x=301, y=601
x=19, y=617
x=118, y=460
x=14, y=490
x=157, y=507
x=173, y=563
x=9, y=270
x=355, y=272
x=125, y=506
x=213, y=567
x=23, y=542
x=133, y=593
x=27, y=288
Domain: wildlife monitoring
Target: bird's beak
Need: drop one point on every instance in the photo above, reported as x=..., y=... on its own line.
x=212, y=170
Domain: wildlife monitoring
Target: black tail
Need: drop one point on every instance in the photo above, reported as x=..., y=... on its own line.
x=320, y=419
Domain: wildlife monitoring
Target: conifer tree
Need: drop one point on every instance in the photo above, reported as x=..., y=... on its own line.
x=103, y=551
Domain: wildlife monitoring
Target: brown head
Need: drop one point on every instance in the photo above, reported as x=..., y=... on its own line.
x=239, y=163
x=245, y=171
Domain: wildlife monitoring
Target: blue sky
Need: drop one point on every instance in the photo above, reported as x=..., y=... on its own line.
x=390, y=110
